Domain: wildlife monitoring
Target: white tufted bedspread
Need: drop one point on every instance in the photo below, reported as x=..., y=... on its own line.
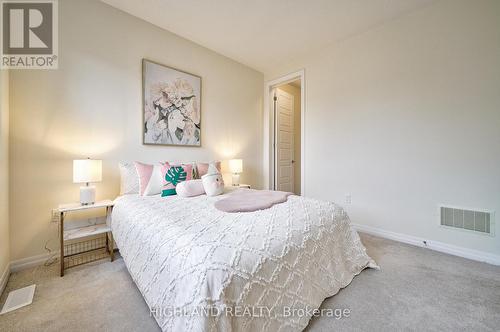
x=184, y=255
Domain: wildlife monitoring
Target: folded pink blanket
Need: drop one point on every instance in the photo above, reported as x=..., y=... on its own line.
x=248, y=200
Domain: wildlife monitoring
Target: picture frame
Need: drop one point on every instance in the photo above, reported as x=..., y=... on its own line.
x=171, y=106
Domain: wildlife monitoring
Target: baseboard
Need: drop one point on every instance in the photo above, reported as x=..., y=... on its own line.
x=476, y=255
x=4, y=278
x=26, y=263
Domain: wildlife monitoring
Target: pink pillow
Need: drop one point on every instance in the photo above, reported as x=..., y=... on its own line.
x=190, y=188
x=173, y=175
x=150, y=178
x=203, y=168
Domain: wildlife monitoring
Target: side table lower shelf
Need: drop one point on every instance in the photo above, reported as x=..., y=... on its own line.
x=86, y=251
x=75, y=246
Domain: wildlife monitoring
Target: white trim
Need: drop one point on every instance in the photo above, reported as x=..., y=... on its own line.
x=26, y=263
x=476, y=255
x=4, y=278
x=267, y=164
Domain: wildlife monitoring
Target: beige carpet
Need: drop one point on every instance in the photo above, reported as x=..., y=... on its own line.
x=416, y=289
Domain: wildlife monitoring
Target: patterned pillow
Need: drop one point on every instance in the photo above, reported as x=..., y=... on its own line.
x=173, y=175
x=129, y=180
x=150, y=178
x=202, y=168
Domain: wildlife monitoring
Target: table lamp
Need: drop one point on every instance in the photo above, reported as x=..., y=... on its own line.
x=87, y=171
x=236, y=167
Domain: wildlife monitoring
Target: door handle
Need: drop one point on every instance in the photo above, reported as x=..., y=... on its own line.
x=293, y=161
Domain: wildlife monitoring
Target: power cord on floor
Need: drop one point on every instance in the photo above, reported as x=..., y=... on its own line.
x=52, y=257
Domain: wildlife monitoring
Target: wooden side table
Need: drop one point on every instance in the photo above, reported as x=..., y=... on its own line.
x=86, y=231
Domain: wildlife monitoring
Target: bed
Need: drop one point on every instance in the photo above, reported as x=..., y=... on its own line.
x=200, y=269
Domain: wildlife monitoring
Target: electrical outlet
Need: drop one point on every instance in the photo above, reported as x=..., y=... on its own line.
x=55, y=215
x=348, y=199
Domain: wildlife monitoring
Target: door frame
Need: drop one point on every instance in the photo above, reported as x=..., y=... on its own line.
x=270, y=128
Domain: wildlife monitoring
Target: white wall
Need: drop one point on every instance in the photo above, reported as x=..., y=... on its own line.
x=91, y=106
x=4, y=174
x=407, y=116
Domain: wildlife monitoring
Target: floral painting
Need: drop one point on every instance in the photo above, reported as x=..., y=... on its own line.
x=172, y=100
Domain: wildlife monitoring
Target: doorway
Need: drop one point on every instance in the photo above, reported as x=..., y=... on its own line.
x=287, y=137
x=284, y=126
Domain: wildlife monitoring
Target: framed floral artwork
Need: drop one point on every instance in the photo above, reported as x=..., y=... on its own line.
x=171, y=106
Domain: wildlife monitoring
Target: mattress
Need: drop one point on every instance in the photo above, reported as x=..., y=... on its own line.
x=200, y=269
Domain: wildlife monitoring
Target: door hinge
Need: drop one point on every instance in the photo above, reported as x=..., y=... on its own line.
x=275, y=98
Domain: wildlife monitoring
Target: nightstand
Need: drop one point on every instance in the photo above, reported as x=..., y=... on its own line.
x=228, y=189
x=76, y=253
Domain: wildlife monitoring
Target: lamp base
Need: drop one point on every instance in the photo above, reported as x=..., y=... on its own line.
x=236, y=180
x=87, y=195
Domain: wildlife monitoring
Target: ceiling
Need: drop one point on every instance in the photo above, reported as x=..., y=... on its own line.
x=265, y=33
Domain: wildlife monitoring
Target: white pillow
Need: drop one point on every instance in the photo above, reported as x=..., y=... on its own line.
x=190, y=188
x=129, y=180
x=213, y=182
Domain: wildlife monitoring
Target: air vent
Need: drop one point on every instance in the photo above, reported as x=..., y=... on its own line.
x=18, y=298
x=471, y=220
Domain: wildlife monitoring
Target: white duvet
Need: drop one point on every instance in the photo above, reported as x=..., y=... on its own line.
x=200, y=269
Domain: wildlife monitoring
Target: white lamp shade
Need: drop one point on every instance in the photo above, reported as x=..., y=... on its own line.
x=236, y=166
x=87, y=170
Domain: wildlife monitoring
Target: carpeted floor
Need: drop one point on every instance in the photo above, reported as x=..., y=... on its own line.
x=417, y=289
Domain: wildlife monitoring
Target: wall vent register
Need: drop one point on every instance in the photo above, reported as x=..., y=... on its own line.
x=471, y=220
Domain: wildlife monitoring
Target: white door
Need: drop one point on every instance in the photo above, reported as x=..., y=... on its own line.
x=284, y=141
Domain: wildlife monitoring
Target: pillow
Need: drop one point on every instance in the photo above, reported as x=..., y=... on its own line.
x=172, y=175
x=191, y=163
x=202, y=168
x=150, y=178
x=213, y=182
x=190, y=188
x=129, y=180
